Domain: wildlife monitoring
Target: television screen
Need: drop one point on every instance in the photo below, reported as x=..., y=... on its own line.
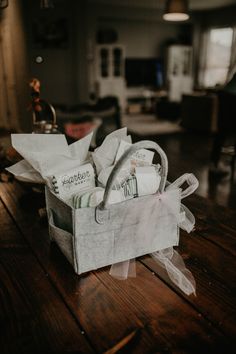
x=143, y=72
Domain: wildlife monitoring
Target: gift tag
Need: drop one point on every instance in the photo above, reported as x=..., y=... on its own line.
x=141, y=157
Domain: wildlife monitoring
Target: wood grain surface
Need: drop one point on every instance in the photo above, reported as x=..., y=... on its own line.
x=46, y=308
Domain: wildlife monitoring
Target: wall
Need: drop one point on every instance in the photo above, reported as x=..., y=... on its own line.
x=58, y=69
x=218, y=17
x=67, y=74
x=142, y=39
x=142, y=31
x=14, y=69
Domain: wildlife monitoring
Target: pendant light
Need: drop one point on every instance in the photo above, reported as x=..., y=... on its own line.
x=176, y=10
x=3, y=4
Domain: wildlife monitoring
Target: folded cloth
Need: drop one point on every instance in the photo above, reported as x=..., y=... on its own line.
x=93, y=197
x=148, y=180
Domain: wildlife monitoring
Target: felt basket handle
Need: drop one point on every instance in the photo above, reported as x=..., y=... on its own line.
x=145, y=144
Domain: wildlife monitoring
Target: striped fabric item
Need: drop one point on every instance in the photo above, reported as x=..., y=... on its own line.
x=129, y=187
x=89, y=198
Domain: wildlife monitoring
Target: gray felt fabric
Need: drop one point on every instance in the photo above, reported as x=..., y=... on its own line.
x=91, y=238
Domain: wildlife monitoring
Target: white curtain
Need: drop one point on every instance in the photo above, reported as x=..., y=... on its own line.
x=203, y=44
x=202, y=52
x=232, y=66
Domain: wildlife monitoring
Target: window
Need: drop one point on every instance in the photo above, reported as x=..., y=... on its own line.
x=217, y=59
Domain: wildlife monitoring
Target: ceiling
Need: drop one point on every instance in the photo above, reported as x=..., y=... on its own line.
x=194, y=5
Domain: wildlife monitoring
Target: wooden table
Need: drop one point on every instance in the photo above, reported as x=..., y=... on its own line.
x=46, y=308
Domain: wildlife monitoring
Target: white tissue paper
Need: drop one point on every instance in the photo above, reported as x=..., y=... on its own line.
x=25, y=172
x=113, y=147
x=47, y=154
x=104, y=156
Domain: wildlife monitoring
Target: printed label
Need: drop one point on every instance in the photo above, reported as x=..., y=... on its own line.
x=74, y=181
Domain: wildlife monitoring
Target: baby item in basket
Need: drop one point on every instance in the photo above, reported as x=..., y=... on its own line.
x=93, y=197
x=129, y=187
x=144, y=180
x=142, y=157
x=148, y=180
x=68, y=183
x=84, y=198
x=105, y=173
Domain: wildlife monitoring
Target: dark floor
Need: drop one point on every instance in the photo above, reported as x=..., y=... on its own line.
x=188, y=152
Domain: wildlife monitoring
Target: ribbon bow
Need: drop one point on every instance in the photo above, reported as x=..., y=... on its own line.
x=169, y=258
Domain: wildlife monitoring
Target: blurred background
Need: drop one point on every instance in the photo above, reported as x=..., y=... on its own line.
x=165, y=69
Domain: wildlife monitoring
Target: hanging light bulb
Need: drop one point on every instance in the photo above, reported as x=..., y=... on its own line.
x=3, y=4
x=176, y=10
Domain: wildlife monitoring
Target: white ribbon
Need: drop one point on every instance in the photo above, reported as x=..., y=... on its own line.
x=169, y=258
x=176, y=270
x=123, y=270
x=184, y=218
x=190, y=179
x=187, y=223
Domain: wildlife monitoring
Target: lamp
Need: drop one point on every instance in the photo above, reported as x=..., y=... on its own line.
x=3, y=4
x=176, y=10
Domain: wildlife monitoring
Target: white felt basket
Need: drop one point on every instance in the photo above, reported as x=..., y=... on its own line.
x=91, y=238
